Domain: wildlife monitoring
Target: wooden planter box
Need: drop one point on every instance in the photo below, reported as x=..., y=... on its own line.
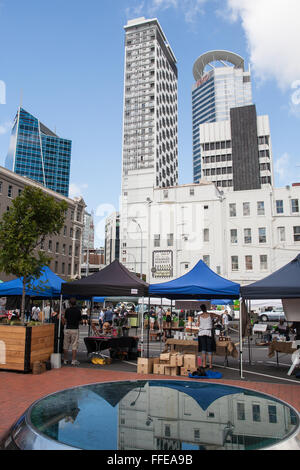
x=21, y=346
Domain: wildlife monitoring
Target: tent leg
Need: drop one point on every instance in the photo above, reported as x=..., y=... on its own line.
x=241, y=342
x=142, y=329
x=59, y=325
x=148, y=328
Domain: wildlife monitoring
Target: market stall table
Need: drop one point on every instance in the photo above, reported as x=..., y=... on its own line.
x=180, y=345
x=116, y=344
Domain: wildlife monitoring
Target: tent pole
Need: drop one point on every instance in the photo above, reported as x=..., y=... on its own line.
x=90, y=322
x=142, y=329
x=241, y=342
x=59, y=323
x=160, y=325
x=148, y=327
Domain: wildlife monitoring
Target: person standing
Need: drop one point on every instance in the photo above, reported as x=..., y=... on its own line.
x=225, y=322
x=47, y=313
x=108, y=316
x=84, y=315
x=206, y=341
x=72, y=319
x=35, y=313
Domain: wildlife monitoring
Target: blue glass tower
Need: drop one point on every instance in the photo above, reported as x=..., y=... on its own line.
x=39, y=154
x=221, y=83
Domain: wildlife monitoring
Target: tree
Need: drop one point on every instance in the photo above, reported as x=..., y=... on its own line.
x=32, y=216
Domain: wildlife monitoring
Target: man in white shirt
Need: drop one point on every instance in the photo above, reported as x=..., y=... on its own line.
x=225, y=322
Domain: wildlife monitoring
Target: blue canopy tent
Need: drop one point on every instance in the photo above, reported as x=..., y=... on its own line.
x=199, y=283
x=46, y=286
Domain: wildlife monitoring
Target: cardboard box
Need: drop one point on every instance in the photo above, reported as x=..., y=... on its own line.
x=184, y=371
x=165, y=357
x=145, y=365
x=179, y=360
x=190, y=361
x=172, y=370
x=173, y=360
x=159, y=369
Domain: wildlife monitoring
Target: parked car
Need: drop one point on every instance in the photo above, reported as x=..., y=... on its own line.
x=272, y=315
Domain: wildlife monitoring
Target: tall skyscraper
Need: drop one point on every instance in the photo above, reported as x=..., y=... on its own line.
x=150, y=104
x=221, y=84
x=38, y=153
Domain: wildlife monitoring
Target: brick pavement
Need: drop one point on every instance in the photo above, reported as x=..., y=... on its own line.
x=18, y=391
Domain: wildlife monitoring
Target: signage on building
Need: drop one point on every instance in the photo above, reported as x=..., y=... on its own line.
x=162, y=263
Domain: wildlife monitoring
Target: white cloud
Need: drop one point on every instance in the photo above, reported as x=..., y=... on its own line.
x=273, y=36
x=5, y=127
x=285, y=168
x=77, y=190
x=189, y=8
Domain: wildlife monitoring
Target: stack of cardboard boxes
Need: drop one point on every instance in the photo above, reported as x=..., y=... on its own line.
x=168, y=364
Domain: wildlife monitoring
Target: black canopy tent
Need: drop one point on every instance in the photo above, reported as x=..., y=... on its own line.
x=282, y=284
x=113, y=280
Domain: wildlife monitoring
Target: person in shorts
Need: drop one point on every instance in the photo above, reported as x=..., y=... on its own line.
x=206, y=342
x=72, y=319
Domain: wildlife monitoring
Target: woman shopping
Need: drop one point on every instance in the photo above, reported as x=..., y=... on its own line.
x=206, y=340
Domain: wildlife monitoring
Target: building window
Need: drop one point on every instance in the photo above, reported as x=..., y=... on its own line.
x=57, y=247
x=65, y=231
x=248, y=263
x=279, y=206
x=167, y=430
x=233, y=236
x=206, y=259
x=256, y=413
x=241, y=416
x=9, y=191
x=272, y=413
x=157, y=240
x=196, y=434
x=186, y=266
x=64, y=249
x=281, y=234
x=192, y=191
x=206, y=235
x=232, y=210
x=296, y=233
x=260, y=208
x=246, y=208
x=170, y=239
x=56, y=266
x=63, y=268
x=295, y=205
x=234, y=263
x=50, y=245
x=70, y=250
x=69, y=269
x=166, y=194
x=247, y=235
x=263, y=262
x=262, y=237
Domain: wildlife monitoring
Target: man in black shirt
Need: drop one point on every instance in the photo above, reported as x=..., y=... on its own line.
x=72, y=320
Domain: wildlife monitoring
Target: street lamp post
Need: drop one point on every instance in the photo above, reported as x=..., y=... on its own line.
x=141, y=270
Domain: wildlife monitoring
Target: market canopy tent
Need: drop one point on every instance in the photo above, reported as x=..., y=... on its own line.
x=113, y=280
x=199, y=283
x=282, y=284
x=47, y=286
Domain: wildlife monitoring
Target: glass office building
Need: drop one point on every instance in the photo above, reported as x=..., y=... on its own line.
x=38, y=153
x=221, y=84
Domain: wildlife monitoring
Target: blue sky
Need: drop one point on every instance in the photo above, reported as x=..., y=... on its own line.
x=66, y=57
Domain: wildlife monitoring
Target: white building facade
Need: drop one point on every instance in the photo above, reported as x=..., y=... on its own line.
x=241, y=235
x=222, y=165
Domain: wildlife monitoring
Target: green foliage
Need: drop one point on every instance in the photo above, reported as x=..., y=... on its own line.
x=32, y=216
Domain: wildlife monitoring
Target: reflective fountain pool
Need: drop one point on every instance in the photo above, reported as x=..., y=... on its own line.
x=156, y=415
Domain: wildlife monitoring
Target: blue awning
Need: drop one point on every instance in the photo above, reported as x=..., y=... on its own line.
x=199, y=283
x=47, y=286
